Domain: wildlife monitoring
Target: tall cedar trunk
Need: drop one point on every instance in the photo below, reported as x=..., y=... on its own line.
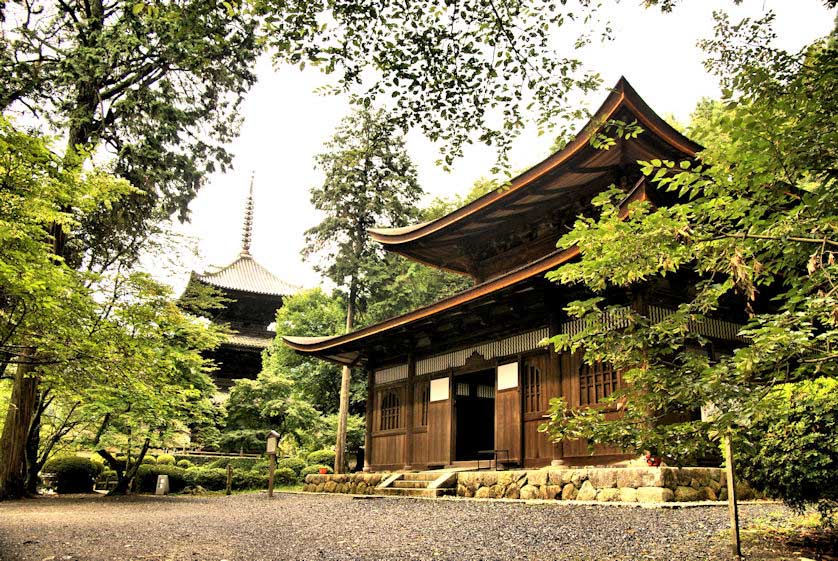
x=16, y=431
x=345, y=378
x=33, y=443
x=16, y=437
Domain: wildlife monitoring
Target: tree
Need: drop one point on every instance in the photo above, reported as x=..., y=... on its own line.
x=752, y=225
x=370, y=181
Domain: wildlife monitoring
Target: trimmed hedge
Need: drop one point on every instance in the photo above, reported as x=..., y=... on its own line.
x=237, y=463
x=185, y=464
x=166, y=459
x=73, y=474
x=147, y=478
x=149, y=460
x=295, y=464
x=326, y=457
x=212, y=479
x=314, y=469
x=285, y=476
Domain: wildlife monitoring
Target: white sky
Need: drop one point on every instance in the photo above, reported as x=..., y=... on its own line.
x=286, y=124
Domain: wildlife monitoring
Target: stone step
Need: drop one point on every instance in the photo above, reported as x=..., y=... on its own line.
x=394, y=491
x=421, y=476
x=399, y=484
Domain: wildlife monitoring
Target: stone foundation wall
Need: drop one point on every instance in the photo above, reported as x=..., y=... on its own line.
x=657, y=485
x=351, y=483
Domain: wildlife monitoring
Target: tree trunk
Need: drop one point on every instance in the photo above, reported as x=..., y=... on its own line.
x=126, y=478
x=345, y=378
x=16, y=431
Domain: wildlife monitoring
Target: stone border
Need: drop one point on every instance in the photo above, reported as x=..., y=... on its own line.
x=581, y=485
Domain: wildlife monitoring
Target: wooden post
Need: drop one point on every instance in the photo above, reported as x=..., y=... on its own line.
x=229, y=478
x=733, y=508
x=370, y=405
x=271, y=469
x=410, y=397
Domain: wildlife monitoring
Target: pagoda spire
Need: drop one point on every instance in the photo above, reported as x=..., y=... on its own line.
x=247, y=230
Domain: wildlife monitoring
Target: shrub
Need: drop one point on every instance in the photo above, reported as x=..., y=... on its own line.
x=185, y=464
x=166, y=459
x=314, y=469
x=249, y=480
x=295, y=464
x=237, y=463
x=261, y=467
x=147, y=478
x=212, y=479
x=321, y=457
x=197, y=460
x=72, y=474
x=148, y=460
x=285, y=476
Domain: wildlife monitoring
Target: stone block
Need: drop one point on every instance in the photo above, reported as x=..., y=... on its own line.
x=654, y=495
x=628, y=494
x=361, y=488
x=320, y=488
x=499, y=490
x=537, y=477
x=569, y=492
x=687, y=494
x=485, y=493
x=715, y=486
x=489, y=478
x=551, y=491
x=577, y=477
x=530, y=492
x=603, y=478
x=330, y=486
x=512, y=492
x=587, y=492
x=558, y=476
x=710, y=494
x=609, y=495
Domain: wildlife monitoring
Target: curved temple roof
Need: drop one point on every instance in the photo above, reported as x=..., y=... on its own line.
x=344, y=348
x=247, y=275
x=561, y=179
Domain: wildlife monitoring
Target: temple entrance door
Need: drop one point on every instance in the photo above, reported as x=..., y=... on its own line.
x=474, y=405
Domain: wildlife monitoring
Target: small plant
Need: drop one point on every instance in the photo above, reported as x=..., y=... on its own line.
x=314, y=469
x=326, y=457
x=166, y=460
x=73, y=474
x=185, y=464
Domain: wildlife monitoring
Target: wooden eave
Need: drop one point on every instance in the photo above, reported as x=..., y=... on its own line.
x=567, y=177
x=350, y=348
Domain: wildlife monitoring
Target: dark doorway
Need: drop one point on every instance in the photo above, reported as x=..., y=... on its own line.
x=474, y=402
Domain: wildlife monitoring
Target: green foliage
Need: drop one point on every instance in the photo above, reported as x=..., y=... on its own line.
x=148, y=460
x=747, y=233
x=244, y=464
x=270, y=402
x=315, y=469
x=249, y=479
x=185, y=464
x=455, y=71
x=318, y=457
x=73, y=474
x=212, y=479
x=285, y=476
x=147, y=477
x=166, y=460
x=791, y=448
x=294, y=464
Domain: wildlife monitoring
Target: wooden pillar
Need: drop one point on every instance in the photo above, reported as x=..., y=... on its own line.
x=410, y=397
x=370, y=411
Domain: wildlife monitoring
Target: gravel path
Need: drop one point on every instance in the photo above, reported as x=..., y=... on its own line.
x=333, y=527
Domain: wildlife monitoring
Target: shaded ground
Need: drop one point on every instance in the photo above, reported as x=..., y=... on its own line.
x=333, y=527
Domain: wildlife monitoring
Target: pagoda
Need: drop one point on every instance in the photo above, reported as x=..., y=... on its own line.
x=468, y=377
x=254, y=295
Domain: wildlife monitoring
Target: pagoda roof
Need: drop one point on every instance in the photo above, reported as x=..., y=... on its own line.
x=349, y=348
x=245, y=274
x=563, y=182
x=249, y=340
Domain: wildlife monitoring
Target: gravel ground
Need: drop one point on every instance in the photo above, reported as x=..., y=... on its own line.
x=333, y=527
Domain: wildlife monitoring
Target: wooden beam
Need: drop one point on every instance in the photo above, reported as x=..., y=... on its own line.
x=369, y=415
x=410, y=398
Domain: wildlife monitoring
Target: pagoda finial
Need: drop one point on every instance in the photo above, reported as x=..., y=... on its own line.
x=248, y=220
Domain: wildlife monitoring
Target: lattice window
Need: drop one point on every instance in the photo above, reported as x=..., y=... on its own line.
x=533, y=380
x=423, y=392
x=390, y=411
x=596, y=381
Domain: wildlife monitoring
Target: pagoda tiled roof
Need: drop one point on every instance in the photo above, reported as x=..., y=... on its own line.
x=247, y=275
x=249, y=340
